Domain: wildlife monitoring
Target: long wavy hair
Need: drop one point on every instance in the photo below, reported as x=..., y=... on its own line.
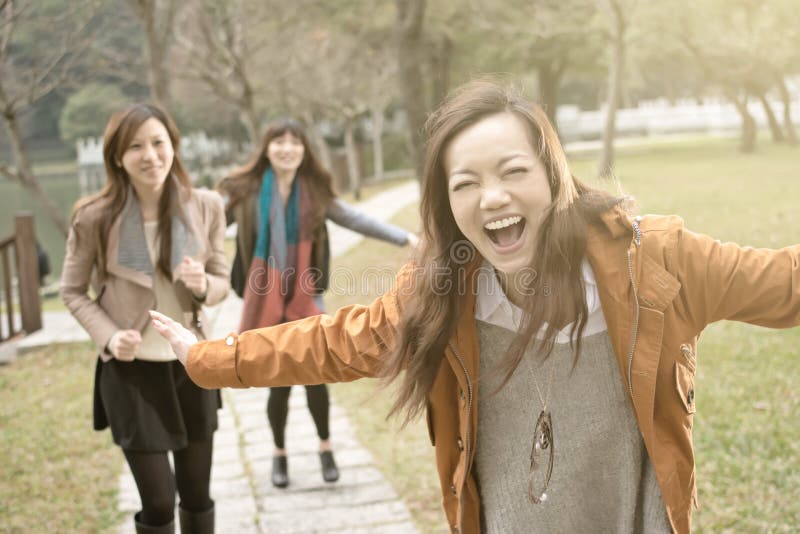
x=119, y=133
x=429, y=320
x=246, y=180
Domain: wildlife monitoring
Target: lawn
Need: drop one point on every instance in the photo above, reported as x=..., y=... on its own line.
x=58, y=475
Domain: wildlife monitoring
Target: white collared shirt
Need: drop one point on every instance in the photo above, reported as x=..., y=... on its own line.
x=492, y=305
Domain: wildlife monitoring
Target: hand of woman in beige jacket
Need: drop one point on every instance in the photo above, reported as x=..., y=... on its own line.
x=125, y=344
x=193, y=275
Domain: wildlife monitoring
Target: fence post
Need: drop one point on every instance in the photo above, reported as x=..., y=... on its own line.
x=30, y=305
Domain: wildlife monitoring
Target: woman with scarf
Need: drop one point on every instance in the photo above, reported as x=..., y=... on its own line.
x=280, y=201
x=149, y=240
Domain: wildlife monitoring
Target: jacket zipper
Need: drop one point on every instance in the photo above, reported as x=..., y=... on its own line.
x=469, y=422
x=637, y=239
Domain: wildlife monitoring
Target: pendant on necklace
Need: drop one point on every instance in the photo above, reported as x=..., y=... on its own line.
x=541, y=458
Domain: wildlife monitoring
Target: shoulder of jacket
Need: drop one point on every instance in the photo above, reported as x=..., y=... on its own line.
x=208, y=197
x=659, y=223
x=89, y=214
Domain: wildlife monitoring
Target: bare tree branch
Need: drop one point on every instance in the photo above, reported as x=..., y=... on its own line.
x=9, y=172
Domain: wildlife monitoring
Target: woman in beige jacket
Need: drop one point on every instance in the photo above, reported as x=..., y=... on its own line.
x=148, y=240
x=548, y=336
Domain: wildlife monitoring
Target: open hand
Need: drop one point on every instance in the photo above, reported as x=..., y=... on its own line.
x=193, y=274
x=179, y=337
x=124, y=344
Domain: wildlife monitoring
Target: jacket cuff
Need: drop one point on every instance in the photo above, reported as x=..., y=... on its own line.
x=212, y=364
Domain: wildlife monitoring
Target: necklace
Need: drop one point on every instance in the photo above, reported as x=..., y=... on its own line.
x=543, y=446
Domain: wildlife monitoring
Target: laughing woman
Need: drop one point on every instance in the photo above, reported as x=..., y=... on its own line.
x=548, y=335
x=148, y=240
x=280, y=201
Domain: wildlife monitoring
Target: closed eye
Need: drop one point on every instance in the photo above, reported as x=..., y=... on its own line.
x=516, y=170
x=463, y=185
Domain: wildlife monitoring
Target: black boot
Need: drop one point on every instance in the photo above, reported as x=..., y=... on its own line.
x=142, y=528
x=197, y=522
x=280, y=472
x=330, y=473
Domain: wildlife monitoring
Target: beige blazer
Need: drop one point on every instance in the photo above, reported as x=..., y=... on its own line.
x=123, y=298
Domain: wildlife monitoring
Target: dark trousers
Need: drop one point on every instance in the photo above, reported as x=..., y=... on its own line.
x=278, y=411
x=157, y=484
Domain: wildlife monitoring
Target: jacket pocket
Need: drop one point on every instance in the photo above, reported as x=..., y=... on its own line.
x=684, y=385
x=429, y=417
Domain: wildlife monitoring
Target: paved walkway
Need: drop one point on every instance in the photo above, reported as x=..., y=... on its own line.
x=361, y=501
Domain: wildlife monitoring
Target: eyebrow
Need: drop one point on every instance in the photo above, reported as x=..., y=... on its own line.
x=154, y=136
x=500, y=163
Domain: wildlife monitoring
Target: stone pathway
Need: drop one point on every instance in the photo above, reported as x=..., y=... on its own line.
x=362, y=501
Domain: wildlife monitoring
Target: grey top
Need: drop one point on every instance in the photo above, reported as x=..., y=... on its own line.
x=356, y=220
x=602, y=480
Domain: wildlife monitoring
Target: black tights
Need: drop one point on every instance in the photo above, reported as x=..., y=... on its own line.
x=278, y=411
x=157, y=484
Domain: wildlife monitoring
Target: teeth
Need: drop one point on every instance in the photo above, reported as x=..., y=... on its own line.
x=502, y=223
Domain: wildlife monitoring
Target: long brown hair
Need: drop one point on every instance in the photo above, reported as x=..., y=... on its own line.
x=120, y=131
x=429, y=320
x=246, y=180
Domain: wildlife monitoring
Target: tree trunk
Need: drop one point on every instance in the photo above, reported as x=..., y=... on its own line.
x=351, y=150
x=158, y=32
x=158, y=77
x=788, y=126
x=774, y=126
x=24, y=175
x=615, y=75
x=747, y=142
x=410, y=17
x=377, y=113
x=440, y=68
x=318, y=139
x=249, y=116
x=549, y=81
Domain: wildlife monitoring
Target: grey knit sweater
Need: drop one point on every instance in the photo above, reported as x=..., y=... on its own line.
x=602, y=478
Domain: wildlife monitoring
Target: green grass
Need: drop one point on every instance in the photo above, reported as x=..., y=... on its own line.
x=58, y=474
x=747, y=440
x=373, y=188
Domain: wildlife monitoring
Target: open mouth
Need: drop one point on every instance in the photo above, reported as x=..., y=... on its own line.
x=505, y=232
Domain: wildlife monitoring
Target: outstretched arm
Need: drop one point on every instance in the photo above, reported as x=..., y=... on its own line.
x=315, y=350
x=726, y=281
x=356, y=220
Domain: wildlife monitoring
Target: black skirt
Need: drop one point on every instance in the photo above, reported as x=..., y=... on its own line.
x=152, y=406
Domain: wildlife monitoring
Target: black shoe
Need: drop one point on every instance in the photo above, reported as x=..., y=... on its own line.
x=280, y=472
x=330, y=473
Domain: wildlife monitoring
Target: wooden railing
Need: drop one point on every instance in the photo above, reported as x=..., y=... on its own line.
x=26, y=265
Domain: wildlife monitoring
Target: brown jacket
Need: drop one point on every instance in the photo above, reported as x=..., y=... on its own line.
x=659, y=285
x=125, y=295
